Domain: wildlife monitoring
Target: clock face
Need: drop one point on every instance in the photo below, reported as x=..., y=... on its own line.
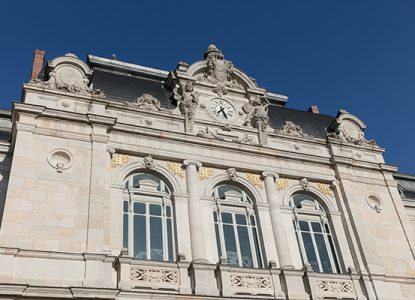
x=221, y=110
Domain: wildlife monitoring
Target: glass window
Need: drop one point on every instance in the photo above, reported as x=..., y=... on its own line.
x=235, y=227
x=148, y=218
x=313, y=235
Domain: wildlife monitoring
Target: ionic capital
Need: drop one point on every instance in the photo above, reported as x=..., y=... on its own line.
x=272, y=174
x=189, y=162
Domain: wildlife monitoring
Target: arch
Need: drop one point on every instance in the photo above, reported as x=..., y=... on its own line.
x=242, y=182
x=326, y=202
x=118, y=177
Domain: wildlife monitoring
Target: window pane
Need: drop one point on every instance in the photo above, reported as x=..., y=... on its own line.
x=245, y=246
x=139, y=208
x=215, y=216
x=155, y=209
x=316, y=226
x=168, y=211
x=136, y=183
x=140, y=250
x=230, y=244
x=252, y=221
x=227, y=188
x=322, y=252
x=327, y=228
x=156, y=239
x=309, y=248
x=304, y=226
x=218, y=246
x=227, y=218
x=125, y=206
x=240, y=219
x=258, y=251
x=333, y=254
x=125, y=231
x=170, y=239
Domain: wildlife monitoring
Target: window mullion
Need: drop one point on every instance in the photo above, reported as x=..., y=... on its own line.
x=148, y=232
x=130, y=226
x=315, y=247
x=238, y=248
x=300, y=239
x=164, y=233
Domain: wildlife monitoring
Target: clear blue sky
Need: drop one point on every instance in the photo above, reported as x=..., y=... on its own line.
x=356, y=55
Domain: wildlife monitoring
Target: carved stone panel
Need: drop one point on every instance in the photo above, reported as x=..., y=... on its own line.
x=251, y=284
x=154, y=277
x=335, y=288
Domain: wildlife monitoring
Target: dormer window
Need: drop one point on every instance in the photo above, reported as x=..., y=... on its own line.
x=236, y=230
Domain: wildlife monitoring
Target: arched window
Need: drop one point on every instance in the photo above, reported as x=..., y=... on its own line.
x=148, y=218
x=314, y=235
x=236, y=227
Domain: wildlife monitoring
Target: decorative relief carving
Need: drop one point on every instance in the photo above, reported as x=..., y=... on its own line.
x=347, y=128
x=149, y=162
x=219, y=71
x=290, y=128
x=119, y=160
x=147, y=102
x=153, y=275
x=60, y=160
x=188, y=102
x=255, y=180
x=255, y=283
x=232, y=174
x=175, y=168
x=334, y=286
x=281, y=184
x=209, y=133
x=205, y=173
x=325, y=189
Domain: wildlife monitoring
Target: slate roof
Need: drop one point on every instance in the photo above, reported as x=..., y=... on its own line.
x=127, y=87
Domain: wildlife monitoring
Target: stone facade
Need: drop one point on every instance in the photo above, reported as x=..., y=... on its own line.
x=74, y=138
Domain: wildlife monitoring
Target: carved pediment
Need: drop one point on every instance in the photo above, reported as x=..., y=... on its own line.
x=214, y=69
x=347, y=128
x=68, y=74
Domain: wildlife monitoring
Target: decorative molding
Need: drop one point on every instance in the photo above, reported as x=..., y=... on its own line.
x=154, y=277
x=251, y=284
x=119, y=160
x=232, y=174
x=60, y=159
x=176, y=169
x=149, y=162
x=281, y=184
x=333, y=286
x=325, y=189
x=205, y=173
x=255, y=180
x=374, y=202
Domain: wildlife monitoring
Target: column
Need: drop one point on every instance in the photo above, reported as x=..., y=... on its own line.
x=195, y=217
x=277, y=220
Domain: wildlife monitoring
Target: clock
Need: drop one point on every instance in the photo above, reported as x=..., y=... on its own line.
x=221, y=110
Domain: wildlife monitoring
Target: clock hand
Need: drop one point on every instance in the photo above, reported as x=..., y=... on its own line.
x=222, y=110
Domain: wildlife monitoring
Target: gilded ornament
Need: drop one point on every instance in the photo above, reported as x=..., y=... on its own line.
x=282, y=184
x=205, y=173
x=254, y=179
x=325, y=189
x=175, y=169
x=119, y=160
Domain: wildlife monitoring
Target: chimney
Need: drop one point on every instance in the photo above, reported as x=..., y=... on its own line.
x=38, y=60
x=313, y=109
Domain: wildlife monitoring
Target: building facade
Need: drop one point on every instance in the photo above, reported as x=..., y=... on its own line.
x=120, y=181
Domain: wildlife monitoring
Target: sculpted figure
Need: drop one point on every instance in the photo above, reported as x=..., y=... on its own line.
x=188, y=103
x=257, y=109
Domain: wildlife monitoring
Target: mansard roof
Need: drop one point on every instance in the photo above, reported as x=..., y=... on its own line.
x=122, y=81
